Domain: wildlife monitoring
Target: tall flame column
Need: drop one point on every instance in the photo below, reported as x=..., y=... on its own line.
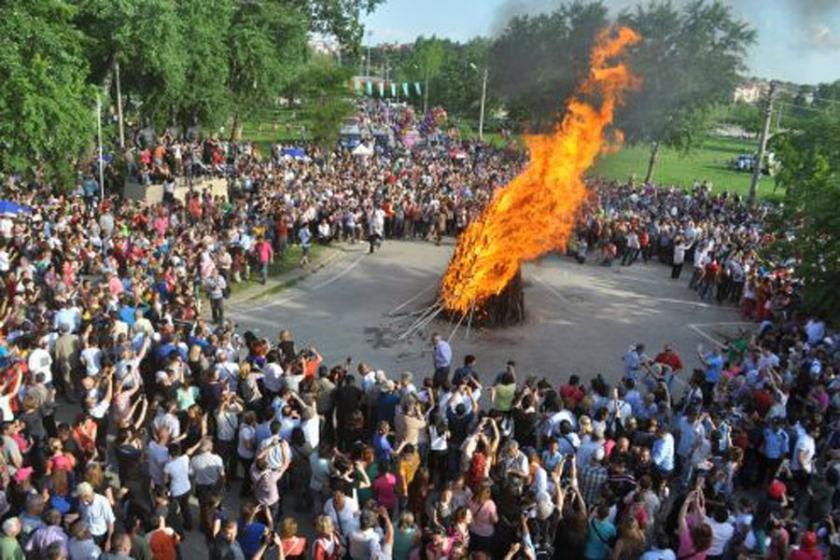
x=537, y=211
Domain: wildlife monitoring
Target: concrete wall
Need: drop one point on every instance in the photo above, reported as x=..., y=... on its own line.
x=153, y=194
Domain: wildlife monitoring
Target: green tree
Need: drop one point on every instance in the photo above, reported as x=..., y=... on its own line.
x=689, y=61
x=323, y=88
x=810, y=224
x=266, y=44
x=341, y=19
x=46, y=108
x=427, y=61
x=538, y=61
x=146, y=38
x=745, y=115
x=204, y=98
x=457, y=85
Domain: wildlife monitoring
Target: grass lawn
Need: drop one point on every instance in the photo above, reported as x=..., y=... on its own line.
x=261, y=131
x=282, y=264
x=707, y=162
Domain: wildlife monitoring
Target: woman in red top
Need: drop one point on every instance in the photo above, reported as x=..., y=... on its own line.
x=327, y=545
x=294, y=547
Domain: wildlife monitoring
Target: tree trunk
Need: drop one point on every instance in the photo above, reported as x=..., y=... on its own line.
x=654, y=152
x=236, y=128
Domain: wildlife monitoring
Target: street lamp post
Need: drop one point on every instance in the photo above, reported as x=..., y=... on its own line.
x=99, y=141
x=369, y=34
x=483, y=100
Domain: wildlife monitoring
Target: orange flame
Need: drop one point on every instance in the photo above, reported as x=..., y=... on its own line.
x=536, y=212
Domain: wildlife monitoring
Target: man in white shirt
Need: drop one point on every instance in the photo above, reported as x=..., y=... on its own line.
x=804, y=453
x=722, y=531
x=208, y=471
x=344, y=512
x=367, y=543
x=40, y=361
x=167, y=418
x=176, y=473
x=91, y=358
x=95, y=510
x=272, y=375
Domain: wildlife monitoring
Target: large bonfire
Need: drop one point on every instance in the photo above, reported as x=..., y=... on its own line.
x=536, y=212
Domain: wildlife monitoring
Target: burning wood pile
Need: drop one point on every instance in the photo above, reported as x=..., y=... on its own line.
x=536, y=212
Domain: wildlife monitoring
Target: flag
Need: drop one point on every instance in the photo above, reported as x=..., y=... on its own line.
x=405, y=89
x=393, y=89
x=381, y=89
x=358, y=84
x=417, y=88
x=369, y=87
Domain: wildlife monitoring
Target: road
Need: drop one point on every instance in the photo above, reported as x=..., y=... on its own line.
x=580, y=319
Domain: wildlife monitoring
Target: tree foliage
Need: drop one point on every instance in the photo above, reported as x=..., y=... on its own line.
x=322, y=87
x=456, y=71
x=204, y=97
x=748, y=116
x=341, y=19
x=537, y=61
x=266, y=43
x=689, y=60
x=146, y=38
x=46, y=117
x=810, y=175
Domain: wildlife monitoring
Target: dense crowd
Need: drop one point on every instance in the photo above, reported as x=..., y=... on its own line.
x=124, y=406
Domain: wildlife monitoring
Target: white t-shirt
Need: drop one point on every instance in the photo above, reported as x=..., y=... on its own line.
x=721, y=534
x=345, y=520
x=273, y=377
x=40, y=362
x=92, y=357
x=805, y=444
x=438, y=441
x=179, y=475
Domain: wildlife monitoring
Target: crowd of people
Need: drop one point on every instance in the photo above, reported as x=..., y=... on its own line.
x=130, y=414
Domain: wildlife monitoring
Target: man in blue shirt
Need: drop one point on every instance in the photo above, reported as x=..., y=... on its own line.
x=776, y=448
x=633, y=361
x=663, y=451
x=442, y=359
x=713, y=360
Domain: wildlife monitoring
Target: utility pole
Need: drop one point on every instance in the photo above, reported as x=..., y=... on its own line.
x=119, y=105
x=99, y=140
x=426, y=93
x=481, y=113
x=779, y=119
x=762, y=144
x=369, y=33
